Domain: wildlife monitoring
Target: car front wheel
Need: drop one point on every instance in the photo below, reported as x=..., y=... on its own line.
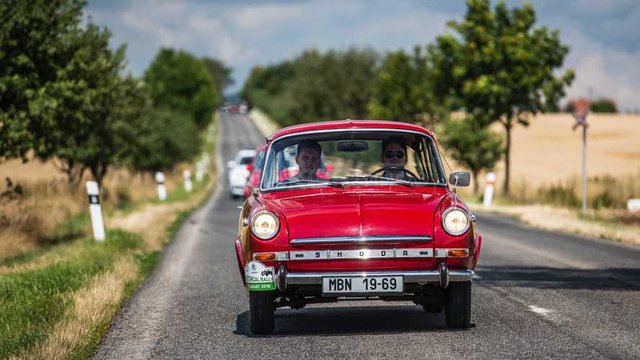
x=457, y=309
x=261, y=312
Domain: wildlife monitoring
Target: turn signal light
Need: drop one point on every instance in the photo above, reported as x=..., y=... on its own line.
x=265, y=256
x=458, y=252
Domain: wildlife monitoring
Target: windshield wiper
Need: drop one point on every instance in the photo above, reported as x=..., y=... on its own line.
x=397, y=181
x=321, y=182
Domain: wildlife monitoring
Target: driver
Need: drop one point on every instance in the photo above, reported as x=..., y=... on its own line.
x=308, y=160
x=394, y=155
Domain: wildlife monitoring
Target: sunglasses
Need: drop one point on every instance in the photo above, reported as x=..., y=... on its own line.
x=392, y=154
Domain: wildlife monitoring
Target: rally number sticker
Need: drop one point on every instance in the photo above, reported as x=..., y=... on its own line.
x=259, y=277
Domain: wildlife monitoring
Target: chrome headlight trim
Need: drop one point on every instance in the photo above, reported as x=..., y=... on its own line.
x=266, y=234
x=455, y=211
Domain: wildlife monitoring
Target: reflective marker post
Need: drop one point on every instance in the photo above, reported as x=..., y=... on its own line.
x=200, y=170
x=96, y=210
x=488, y=190
x=162, y=190
x=187, y=181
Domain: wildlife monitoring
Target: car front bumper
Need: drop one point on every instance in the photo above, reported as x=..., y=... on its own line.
x=441, y=277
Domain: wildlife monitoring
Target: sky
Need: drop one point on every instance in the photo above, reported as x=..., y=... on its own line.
x=602, y=34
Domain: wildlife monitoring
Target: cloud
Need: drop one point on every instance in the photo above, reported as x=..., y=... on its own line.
x=602, y=34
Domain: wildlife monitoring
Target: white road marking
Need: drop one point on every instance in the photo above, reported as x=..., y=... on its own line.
x=540, y=311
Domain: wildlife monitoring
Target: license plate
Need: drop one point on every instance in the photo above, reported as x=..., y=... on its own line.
x=362, y=285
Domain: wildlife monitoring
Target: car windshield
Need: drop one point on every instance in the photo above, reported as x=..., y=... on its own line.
x=246, y=160
x=352, y=157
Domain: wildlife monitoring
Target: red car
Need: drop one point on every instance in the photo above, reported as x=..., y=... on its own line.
x=256, y=170
x=363, y=232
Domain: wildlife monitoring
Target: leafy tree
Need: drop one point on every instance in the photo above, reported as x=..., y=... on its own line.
x=266, y=87
x=403, y=90
x=472, y=146
x=180, y=81
x=332, y=85
x=220, y=73
x=96, y=107
x=165, y=138
x=314, y=86
x=603, y=106
x=500, y=67
x=34, y=43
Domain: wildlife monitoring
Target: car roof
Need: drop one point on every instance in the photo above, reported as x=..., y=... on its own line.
x=348, y=125
x=246, y=153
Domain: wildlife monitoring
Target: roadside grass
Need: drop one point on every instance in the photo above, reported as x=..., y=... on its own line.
x=58, y=299
x=32, y=301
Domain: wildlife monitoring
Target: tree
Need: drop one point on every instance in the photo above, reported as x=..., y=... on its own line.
x=332, y=85
x=500, y=68
x=96, y=107
x=181, y=82
x=603, y=106
x=34, y=43
x=314, y=86
x=220, y=73
x=267, y=88
x=402, y=90
x=472, y=146
x=165, y=138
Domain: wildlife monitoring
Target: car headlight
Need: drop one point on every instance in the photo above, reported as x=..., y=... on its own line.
x=455, y=221
x=265, y=225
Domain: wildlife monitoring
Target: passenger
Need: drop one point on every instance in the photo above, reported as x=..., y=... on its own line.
x=394, y=157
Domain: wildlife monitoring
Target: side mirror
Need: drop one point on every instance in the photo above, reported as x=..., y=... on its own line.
x=230, y=164
x=460, y=178
x=250, y=167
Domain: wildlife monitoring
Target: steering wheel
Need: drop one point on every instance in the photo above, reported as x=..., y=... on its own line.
x=394, y=168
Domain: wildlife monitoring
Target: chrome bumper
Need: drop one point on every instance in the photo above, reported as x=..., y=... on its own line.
x=442, y=276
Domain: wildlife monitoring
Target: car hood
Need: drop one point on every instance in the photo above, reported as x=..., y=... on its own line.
x=358, y=214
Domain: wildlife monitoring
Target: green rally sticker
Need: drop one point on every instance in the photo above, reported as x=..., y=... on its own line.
x=259, y=277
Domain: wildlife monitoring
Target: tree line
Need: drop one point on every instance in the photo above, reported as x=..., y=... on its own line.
x=495, y=66
x=64, y=95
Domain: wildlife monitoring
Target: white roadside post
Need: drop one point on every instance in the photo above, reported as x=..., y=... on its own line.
x=96, y=210
x=187, y=181
x=633, y=205
x=488, y=189
x=200, y=171
x=162, y=190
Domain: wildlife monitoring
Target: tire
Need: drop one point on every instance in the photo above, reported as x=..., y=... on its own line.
x=261, y=311
x=457, y=309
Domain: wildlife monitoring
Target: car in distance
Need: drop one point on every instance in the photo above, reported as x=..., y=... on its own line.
x=238, y=171
x=360, y=232
x=255, y=171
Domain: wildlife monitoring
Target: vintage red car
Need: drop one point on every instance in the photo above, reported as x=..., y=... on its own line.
x=256, y=170
x=387, y=224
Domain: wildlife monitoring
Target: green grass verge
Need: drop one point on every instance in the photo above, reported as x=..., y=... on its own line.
x=31, y=302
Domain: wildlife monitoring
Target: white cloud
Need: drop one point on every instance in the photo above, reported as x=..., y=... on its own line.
x=601, y=35
x=602, y=71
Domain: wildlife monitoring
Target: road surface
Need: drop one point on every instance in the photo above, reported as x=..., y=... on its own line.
x=538, y=294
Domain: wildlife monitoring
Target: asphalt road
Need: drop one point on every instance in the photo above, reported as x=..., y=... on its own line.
x=538, y=294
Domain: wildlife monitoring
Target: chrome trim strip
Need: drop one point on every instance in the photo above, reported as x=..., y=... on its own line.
x=427, y=276
x=361, y=239
x=360, y=254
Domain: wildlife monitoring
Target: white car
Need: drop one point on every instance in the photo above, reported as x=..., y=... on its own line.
x=239, y=171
